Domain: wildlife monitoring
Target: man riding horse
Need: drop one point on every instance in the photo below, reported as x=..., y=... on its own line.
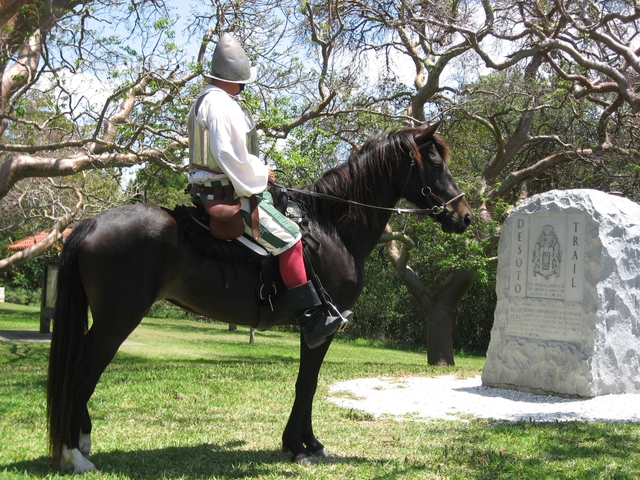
x=120, y=262
x=225, y=169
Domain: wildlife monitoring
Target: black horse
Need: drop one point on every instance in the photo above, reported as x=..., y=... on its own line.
x=122, y=261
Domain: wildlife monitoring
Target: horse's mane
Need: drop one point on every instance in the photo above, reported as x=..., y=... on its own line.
x=368, y=171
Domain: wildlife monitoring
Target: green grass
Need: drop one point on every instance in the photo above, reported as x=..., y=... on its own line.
x=198, y=402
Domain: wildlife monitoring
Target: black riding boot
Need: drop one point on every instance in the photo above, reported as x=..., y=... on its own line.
x=315, y=323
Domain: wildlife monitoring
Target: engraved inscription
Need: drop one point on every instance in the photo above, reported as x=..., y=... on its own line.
x=547, y=256
x=519, y=256
x=544, y=323
x=546, y=277
x=575, y=258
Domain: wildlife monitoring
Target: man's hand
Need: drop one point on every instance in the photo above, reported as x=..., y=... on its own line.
x=272, y=176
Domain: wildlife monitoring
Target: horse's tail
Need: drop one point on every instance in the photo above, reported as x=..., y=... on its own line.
x=69, y=326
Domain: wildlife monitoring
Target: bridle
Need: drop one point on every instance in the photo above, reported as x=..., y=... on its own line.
x=435, y=210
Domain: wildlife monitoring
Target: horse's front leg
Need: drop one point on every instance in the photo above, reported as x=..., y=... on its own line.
x=298, y=437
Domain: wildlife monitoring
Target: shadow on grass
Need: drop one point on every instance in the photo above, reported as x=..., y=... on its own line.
x=569, y=450
x=131, y=360
x=26, y=352
x=189, y=462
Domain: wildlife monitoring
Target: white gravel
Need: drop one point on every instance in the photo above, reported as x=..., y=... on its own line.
x=418, y=398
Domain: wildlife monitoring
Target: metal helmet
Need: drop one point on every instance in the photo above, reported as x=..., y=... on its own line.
x=230, y=62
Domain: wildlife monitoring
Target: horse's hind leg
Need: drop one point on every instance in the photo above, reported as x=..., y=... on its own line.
x=100, y=348
x=85, y=434
x=298, y=436
x=76, y=458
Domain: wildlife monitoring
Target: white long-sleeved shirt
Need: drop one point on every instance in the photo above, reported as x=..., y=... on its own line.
x=227, y=126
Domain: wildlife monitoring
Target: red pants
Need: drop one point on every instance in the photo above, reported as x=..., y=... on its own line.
x=292, y=266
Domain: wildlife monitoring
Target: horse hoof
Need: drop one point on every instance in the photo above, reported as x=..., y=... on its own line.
x=74, y=460
x=323, y=453
x=304, y=459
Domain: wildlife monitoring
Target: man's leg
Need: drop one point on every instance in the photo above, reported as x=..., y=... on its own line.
x=280, y=236
x=306, y=307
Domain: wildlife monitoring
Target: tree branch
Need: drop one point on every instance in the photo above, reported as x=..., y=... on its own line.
x=23, y=166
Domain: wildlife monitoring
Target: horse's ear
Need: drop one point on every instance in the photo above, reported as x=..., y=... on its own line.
x=427, y=132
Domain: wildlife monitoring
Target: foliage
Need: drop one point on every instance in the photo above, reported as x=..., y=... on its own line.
x=158, y=185
x=385, y=311
x=21, y=296
x=474, y=317
x=23, y=284
x=304, y=156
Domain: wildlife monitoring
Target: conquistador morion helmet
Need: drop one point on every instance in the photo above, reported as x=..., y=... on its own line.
x=230, y=63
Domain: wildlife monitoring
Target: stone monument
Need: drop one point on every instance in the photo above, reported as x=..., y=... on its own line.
x=567, y=321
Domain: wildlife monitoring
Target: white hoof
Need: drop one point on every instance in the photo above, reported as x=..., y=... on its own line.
x=85, y=444
x=74, y=460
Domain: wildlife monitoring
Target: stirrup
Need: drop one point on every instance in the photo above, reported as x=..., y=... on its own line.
x=343, y=316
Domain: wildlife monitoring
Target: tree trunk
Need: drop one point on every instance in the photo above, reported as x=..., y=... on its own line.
x=440, y=308
x=440, y=337
x=441, y=315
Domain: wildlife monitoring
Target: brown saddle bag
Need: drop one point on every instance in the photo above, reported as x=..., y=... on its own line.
x=225, y=220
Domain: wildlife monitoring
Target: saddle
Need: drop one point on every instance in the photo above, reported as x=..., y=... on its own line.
x=196, y=223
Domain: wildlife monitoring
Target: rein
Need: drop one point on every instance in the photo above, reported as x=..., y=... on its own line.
x=426, y=192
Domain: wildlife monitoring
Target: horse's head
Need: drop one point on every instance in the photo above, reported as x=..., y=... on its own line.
x=429, y=183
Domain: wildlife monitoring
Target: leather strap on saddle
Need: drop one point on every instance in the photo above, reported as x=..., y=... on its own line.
x=255, y=217
x=267, y=293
